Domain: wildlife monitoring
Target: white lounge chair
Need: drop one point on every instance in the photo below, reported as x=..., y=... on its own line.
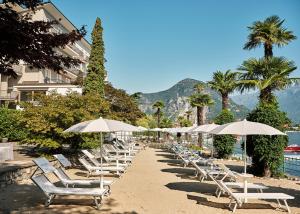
x=98, y=169
x=114, y=158
x=46, y=167
x=94, y=160
x=202, y=172
x=51, y=190
x=237, y=199
x=236, y=185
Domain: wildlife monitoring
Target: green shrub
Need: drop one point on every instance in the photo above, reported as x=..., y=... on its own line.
x=11, y=126
x=224, y=144
x=55, y=113
x=267, y=152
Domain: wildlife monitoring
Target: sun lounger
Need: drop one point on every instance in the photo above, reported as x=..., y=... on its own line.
x=98, y=169
x=237, y=199
x=118, y=152
x=236, y=185
x=64, y=162
x=51, y=190
x=114, y=158
x=202, y=172
x=46, y=167
x=95, y=161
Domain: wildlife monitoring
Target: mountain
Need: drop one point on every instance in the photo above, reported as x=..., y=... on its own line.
x=289, y=101
x=177, y=103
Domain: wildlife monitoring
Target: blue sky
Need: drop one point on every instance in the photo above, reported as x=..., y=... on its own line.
x=152, y=44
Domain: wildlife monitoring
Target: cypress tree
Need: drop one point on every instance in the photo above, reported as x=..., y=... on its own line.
x=94, y=81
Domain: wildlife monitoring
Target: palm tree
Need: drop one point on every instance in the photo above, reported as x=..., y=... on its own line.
x=269, y=32
x=199, y=87
x=267, y=75
x=200, y=100
x=224, y=83
x=158, y=105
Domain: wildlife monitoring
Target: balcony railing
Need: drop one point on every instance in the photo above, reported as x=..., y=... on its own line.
x=48, y=80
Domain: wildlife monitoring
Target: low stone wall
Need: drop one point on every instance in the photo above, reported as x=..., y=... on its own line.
x=12, y=174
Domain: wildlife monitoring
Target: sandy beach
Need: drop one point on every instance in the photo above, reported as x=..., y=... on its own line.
x=154, y=183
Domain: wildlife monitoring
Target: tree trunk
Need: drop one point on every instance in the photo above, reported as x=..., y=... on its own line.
x=200, y=121
x=225, y=101
x=267, y=171
x=158, y=123
x=268, y=50
x=201, y=115
x=266, y=96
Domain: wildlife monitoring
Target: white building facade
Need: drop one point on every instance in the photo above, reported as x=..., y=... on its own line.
x=31, y=80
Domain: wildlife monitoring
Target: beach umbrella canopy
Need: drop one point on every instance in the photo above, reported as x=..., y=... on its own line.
x=244, y=128
x=185, y=129
x=142, y=129
x=102, y=125
x=205, y=128
x=157, y=130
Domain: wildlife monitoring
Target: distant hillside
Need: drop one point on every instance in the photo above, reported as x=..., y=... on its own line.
x=289, y=101
x=176, y=101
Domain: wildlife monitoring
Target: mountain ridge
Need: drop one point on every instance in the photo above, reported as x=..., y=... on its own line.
x=177, y=103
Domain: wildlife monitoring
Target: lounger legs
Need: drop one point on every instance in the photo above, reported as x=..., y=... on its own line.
x=98, y=202
x=49, y=200
x=287, y=206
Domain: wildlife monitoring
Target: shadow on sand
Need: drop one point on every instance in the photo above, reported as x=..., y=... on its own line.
x=27, y=198
x=196, y=187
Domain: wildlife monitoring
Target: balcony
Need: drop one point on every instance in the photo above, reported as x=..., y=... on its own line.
x=48, y=80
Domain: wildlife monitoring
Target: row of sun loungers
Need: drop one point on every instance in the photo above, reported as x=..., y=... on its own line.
x=218, y=173
x=115, y=159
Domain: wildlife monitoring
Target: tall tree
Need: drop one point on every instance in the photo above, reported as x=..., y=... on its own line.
x=158, y=105
x=200, y=100
x=269, y=32
x=94, y=81
x=267, y=75
x=224, y=83
x=21, y=38
x=122, y=106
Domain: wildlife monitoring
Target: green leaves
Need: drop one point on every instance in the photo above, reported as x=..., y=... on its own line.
x=11, y=126
x=268, y=32
x=94, y=82
x=267, y=152
x=224, y=144
x=201, y=100
x=54, y=113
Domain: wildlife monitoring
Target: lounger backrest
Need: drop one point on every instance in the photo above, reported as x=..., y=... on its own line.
x=227, y=170
x=216, y=182
x=87, y=153
x=44, y=165
x=43, y=183
x=85, y=163
x=63, y=160
x=60, y=173
x=202, y=171
x=226, y=189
